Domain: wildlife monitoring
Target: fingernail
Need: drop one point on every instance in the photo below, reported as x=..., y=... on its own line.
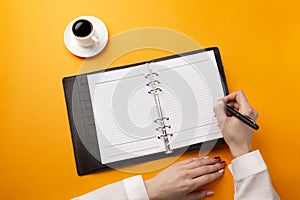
x=221, y=171
x=209, y=193
x=217, y=158
x=223, y=163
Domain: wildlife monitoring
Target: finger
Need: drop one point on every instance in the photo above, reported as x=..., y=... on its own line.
x=198, y=195
x=240, y=102
x=207, y=178
x=187, y=161
x=208, y=169
x=190, y=160
x=219, y=110
x=202, y=162
x=238, y=97
x=254, y=114
x=234, y=105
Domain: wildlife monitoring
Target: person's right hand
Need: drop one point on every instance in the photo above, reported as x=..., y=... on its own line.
x=237, y=135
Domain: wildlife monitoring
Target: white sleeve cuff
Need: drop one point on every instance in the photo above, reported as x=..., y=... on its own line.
x=135, y=188
x=247, y=165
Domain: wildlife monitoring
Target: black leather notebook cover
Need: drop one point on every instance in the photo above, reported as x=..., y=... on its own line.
x=82, y=125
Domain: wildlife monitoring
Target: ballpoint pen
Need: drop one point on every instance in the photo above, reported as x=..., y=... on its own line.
x=247, y=120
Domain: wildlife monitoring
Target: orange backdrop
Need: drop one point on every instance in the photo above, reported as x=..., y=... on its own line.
x=260, y=47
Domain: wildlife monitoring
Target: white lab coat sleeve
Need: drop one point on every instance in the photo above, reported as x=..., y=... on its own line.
x=132, y=188
x=251, y=178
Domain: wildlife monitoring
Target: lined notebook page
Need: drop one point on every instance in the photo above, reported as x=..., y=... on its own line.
x=124, y=113
x=190, y=86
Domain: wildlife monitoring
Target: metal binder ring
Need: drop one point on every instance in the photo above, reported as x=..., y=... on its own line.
x=155, y=90
x=151, y=74
x=154, y=82
x=163, y=127
x=161, y=119
x=165, y=135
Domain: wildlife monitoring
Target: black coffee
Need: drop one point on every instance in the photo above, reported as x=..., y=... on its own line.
x=82, y=28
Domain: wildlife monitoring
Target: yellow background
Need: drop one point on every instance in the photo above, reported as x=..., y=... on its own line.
x=260, y=48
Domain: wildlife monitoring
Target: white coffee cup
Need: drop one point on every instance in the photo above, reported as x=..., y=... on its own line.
x=83, y=31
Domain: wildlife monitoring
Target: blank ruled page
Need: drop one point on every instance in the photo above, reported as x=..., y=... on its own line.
x=124, y=113
x=191, y=86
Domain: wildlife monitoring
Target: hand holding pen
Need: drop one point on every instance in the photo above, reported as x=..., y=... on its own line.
x=236, y=132
x=244, y=118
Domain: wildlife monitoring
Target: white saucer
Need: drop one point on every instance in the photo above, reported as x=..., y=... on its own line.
x=78, y=50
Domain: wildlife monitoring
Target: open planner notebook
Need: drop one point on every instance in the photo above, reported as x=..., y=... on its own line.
x=144, y=111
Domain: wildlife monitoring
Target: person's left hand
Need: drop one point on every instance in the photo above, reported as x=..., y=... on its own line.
x=180, y=180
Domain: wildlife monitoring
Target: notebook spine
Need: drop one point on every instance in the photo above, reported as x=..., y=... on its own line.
x=161, y=120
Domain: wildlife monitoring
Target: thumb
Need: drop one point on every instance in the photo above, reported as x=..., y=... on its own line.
x=219, y=110
x=198, y=195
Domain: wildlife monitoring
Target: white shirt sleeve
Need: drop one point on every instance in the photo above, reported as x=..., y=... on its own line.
x=132, y=188
x=251, y=178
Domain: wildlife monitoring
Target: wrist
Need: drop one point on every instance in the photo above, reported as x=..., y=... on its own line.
x=237, y=151
x=150, y=190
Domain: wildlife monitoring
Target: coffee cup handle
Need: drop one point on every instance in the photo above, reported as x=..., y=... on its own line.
x=96, y=40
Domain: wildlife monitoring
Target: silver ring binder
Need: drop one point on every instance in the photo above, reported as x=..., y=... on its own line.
x=153, y=83
x=152, y=74
x=160, y=119
x=160, y=136
x=155, y=90
x=163, y=127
